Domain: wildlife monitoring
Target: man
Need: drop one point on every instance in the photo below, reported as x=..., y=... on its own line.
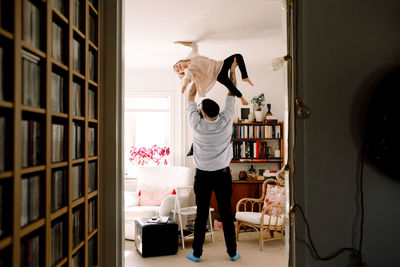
x=212, y=154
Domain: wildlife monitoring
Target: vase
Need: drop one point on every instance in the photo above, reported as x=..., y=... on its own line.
x=258, y=115
x=251, y=117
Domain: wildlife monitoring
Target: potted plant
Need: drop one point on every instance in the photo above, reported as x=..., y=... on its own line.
x=259, y=101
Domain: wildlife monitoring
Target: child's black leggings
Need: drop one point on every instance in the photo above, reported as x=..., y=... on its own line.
x=223, y=74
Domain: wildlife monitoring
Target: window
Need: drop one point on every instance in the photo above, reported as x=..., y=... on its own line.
x=147, y=123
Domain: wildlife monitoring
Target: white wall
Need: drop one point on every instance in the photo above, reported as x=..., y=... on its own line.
x=271, y=83
x=344, y=46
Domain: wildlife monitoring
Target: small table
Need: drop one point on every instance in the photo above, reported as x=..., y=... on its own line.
x=156, y=239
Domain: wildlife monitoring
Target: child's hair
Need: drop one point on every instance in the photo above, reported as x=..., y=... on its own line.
x=180, y=74
x=210, y=107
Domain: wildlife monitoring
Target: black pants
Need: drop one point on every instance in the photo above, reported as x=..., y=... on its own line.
x=223, y=74
x=220, y=182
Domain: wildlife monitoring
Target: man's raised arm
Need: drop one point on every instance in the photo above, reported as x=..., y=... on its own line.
x=192, y=93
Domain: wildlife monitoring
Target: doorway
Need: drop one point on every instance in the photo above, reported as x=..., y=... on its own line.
x=258, y=32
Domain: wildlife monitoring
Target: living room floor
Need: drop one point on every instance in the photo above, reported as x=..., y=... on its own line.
x=214, y=254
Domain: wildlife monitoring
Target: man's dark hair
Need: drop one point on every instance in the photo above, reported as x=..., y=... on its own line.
x=210, y=107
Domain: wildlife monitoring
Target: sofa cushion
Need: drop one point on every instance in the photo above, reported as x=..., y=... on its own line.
x=159, y=179
x=148, y=198
x=136, y=212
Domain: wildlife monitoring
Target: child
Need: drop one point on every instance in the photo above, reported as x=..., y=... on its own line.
x=205, y=71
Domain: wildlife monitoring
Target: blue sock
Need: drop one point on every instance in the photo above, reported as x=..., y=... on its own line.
x=192, y=257
x=236, y=257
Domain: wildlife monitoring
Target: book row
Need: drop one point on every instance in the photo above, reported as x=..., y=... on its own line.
x=253, y=149
x=30, y=199
x=58, y=189
x=92, y=252
x=256, y=131
x=31, y=251
x=57, y=242
x=31, y=144
x=78, y=182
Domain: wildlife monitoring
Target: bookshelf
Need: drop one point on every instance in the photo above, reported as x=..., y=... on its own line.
x=49, y=127
x=258, y=143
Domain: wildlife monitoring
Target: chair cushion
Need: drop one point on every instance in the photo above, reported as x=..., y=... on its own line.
x=275, y=195
x=254, y=217
x=147, y=198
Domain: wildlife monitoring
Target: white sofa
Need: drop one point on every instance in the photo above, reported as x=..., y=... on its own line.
x=153, y=179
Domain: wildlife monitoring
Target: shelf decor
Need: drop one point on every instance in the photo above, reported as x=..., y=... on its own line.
x=259, y=101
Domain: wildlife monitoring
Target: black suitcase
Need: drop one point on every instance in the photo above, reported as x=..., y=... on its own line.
x=156, y=239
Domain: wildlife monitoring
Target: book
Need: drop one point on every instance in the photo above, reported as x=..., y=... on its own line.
x=92, y=252
x=57, y=93
x=57, y=242
x=30, y=199
x=1, y=74
x=31, y=23
x=76, y=59
x=57, y=142
x=91, y=216
x=30, y=79
x=77, y=14
x=2, y=200
x=77, y=226
x=77, y=183
x=92, y=104
x=93, y=29
x=92, y=176
x=58, y=188
x=30, y=251
x=77, y=131
x=59, y=5
x=57, y=51
x=92, y=141
x=92, y=66
x=77, y=260
x=2, y=143
x=77, y=103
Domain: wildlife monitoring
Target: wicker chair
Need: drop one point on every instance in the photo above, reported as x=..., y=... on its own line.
x=266, y=216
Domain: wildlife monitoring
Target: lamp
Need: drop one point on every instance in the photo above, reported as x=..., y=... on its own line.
x=302, y=111
x=277, y=63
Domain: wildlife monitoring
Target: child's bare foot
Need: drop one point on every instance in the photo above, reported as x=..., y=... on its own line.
x=244, y=101
x=248, y=81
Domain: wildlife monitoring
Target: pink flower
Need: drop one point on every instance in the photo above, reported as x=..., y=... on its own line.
x=142, y=156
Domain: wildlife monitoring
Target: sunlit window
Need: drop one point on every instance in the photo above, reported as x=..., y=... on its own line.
x=147, y=123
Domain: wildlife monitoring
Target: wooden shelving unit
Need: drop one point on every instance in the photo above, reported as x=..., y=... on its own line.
x=268, y=134
x=48, y=125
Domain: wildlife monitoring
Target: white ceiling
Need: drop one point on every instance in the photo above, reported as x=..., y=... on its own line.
x=222, y=27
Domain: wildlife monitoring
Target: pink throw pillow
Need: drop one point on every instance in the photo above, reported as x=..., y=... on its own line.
x=147, y=198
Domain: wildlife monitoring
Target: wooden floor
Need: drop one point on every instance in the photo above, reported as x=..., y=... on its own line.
x=214, y=254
